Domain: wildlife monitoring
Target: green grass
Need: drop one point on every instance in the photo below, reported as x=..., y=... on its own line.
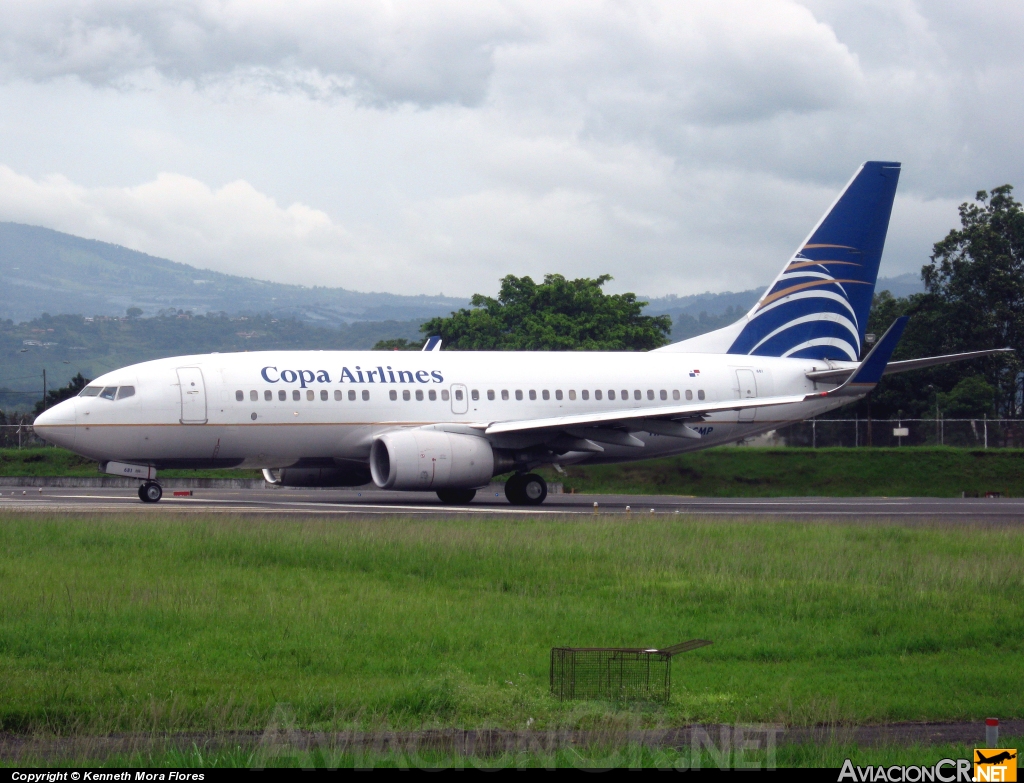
x=720, y=472
x=47, y=461
x=789, y=472
x=616, y=756
x=209, y=623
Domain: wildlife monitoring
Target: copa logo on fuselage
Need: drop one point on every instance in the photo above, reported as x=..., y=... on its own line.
x=376, y=375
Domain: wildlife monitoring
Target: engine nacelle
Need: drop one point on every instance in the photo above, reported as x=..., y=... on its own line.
x=430, y=460
x=354, y=476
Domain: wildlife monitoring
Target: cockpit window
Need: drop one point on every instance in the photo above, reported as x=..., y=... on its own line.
x=108, y=392
x=125, y=391
x=90, y=391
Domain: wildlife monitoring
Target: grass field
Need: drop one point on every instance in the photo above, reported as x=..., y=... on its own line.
x=792, y=472
x=721, y=472
x=211, y=623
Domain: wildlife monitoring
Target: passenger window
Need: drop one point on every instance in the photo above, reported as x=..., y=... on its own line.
x=519, y=394
x=689, y=394
x=625, y=394
x=239, y=395
x=125, y=391
x=585, y=394
x=366, y=394
x=432, y=395
x=352, y=395
x=611, y=394
x=444, y=395
x=675, y=394
x=282, y=395
x=268, y=395
x=394, y=395
x=109, y=393
x=90, y=391
x=473, y=395
x=337, y=394
x=636, y=394
x=650, y=394
x=700, y=394
x=406, y=395
x=254, y=395
x=572, y=394
x=597, y=394
x=458, y=395
x=558, y=394
x=546, y=394
x=490, y=394
x=533, y=394
x=663, y=394
x=504, y=394
x=295, y=394
x=310, y=395
x=323, y=395
x=419, y=395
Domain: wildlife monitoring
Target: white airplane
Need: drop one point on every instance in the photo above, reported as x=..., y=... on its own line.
x=449, y=421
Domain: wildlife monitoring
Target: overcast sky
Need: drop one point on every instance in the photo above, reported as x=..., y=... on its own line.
x=421, y=147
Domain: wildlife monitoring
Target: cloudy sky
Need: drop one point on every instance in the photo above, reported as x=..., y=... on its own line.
x=420, y=147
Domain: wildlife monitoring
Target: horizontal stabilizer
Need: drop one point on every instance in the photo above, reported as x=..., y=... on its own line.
x=839, y=374
x=871, y=370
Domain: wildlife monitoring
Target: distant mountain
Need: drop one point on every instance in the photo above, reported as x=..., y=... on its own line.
x=46, y=271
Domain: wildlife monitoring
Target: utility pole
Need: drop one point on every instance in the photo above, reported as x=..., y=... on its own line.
x=44, y=388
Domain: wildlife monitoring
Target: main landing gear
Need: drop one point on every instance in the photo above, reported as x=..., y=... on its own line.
x=150, y=492
x=526, y=489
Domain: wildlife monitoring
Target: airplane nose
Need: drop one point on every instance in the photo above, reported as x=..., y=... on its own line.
x=57, y=425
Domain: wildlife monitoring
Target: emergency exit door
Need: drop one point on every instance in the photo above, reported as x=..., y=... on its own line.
x=748, y=390
x=193, y=395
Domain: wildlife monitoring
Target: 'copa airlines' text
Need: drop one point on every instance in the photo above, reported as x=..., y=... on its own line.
x=358, y=375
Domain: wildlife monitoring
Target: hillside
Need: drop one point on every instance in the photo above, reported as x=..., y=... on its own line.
x=45, y=271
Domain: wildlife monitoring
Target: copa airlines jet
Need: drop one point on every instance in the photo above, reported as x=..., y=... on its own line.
x=449, y=421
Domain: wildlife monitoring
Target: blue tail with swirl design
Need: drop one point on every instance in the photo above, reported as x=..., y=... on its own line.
x=817, y=308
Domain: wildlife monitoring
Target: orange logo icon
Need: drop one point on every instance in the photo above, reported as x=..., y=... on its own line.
x=995, y=764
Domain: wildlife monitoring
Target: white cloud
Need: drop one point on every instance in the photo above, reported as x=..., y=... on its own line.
x=679, y=146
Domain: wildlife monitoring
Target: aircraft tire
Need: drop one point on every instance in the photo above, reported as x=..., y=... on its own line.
x=533, y=489
x=514, y=490
x=150, y=492
x=456, y=497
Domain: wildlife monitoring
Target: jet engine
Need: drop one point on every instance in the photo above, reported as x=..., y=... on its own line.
x=432, y=460
x=347, y=476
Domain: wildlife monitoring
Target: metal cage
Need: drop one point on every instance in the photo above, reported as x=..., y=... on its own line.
x=615, y=673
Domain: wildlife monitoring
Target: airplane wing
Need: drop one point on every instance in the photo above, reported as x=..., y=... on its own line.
x=837, y=374
x=614, y=426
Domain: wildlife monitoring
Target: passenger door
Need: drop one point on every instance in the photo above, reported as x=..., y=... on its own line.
x=460, y=398
x=193, y=395
x=748, y=390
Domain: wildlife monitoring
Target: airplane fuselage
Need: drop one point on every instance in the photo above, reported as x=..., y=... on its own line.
x=280, y=408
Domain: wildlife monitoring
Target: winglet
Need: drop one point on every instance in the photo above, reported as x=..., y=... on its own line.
x=433, y=343
x=870, y=371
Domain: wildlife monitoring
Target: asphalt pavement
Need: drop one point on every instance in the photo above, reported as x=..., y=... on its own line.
x=492, y=502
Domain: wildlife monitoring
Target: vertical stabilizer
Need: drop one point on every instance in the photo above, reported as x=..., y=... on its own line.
x=817, y=308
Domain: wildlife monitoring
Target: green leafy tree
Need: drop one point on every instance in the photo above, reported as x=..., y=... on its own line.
x=399, y=344
x=55, y=396
x=556, y=315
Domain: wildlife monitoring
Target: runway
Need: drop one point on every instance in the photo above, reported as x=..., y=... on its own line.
x=1008, y=511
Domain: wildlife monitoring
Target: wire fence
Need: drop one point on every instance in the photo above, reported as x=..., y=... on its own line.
x=977, y=433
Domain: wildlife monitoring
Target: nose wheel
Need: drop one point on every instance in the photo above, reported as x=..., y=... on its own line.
x=527, y=489
x=150, y=492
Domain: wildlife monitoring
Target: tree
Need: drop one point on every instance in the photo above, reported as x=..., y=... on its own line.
x=134, y=312
x=974, y=299
x=54, y=396
x=556, y=315
x=399, y=344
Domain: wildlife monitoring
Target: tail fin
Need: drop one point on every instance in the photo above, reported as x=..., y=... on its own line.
x=817, y=308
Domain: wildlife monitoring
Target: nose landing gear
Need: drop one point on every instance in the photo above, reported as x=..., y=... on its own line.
x=526, y=489
x=150, y=492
